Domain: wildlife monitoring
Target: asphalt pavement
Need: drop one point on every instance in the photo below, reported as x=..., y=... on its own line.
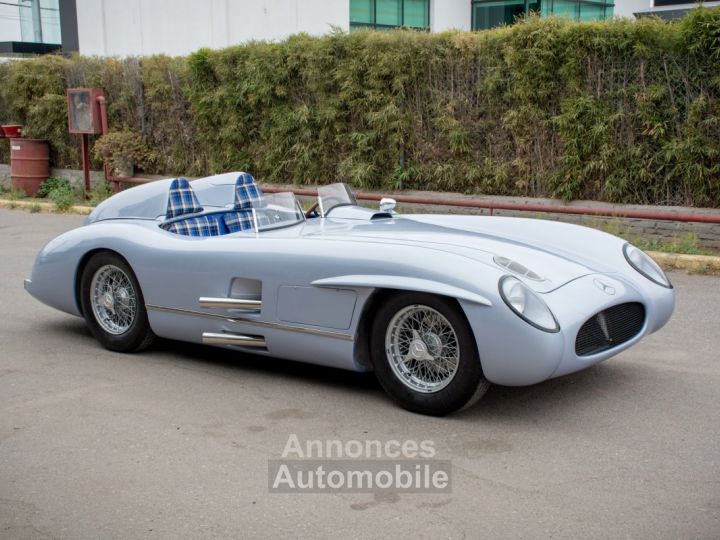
x=174, y=442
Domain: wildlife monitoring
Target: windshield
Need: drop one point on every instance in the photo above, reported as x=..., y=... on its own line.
x=277, y=210
x=332, y=196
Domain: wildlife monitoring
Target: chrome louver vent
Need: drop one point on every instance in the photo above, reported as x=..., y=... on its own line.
x=517, y=268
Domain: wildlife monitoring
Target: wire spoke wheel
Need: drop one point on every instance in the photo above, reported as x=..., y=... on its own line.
x=422, y=348
x=113, y=299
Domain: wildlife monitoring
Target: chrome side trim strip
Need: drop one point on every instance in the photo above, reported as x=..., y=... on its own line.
x=209, y=338
x=253, y=322
x=229, y=303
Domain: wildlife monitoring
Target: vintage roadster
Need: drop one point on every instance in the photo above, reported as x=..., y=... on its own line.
x=439, y=306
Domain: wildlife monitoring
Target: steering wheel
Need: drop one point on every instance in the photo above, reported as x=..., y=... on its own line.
x=312, y=212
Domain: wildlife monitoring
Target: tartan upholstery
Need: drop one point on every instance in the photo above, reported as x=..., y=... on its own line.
x=181, y=199
x=240, y=220
x=247, y=193
x=195, y=226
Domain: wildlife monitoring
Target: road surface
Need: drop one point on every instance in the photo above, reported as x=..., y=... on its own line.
x=175, y=442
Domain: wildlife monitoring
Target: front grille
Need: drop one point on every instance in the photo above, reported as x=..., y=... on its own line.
x=610, y=328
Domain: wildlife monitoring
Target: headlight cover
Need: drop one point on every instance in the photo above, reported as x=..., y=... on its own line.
x=527, y=305
x=644, y=265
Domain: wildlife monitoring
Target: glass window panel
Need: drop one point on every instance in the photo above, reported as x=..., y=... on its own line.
x=416, y=13
x=361, y=11
x=487, y=14
x=389, y=12
x=496, y=13
x=589, y=12
x=40, y=21
x=50, y=17
x=566, y=8
x=595, y=11
x=27, y=28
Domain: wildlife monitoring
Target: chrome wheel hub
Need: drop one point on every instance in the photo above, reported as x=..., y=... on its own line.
x=108, y=302
x=422, y=348
x=113, y=299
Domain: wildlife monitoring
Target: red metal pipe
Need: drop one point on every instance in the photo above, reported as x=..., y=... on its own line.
x=521, y=207
x=103, y=115
x=104, y=129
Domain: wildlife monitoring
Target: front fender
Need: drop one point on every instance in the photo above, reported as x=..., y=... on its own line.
x=403, y=283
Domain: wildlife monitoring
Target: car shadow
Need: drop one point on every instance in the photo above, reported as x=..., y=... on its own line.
x=526, y=403
x=276, y=367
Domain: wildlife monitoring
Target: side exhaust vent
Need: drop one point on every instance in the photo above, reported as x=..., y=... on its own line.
x=239, y=340
x=230, y=303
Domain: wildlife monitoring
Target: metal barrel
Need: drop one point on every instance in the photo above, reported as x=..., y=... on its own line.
x=29, y=164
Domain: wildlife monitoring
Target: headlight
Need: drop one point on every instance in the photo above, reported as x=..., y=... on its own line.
x=527, y=305
x=645, y=265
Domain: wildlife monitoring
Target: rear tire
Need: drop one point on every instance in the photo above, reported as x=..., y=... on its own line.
x=113, y=304
x=424, y=354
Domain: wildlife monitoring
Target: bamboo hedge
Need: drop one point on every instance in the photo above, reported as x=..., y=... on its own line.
x=620, y=111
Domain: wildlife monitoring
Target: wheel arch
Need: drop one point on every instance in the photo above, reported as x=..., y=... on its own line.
x=375, y=300
x=81, y=268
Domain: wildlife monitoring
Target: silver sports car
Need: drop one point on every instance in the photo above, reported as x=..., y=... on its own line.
x=439, y=306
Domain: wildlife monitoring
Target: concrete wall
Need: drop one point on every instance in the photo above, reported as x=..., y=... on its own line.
x=449, y=15
x=178, y=27
x=626, y=8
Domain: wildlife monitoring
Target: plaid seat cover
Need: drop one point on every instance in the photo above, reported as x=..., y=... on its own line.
x=181, y=199
x=240, y=220
x=195, y=226
x=247, y=193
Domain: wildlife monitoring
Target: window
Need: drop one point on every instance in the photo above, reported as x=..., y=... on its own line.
x=491, y=13
x=39, y=21
x=386, y=14
x=657, y=3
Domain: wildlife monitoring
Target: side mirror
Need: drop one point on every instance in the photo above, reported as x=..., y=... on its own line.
x=387, y=205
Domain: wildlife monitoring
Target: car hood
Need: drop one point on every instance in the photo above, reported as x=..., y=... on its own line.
x=558, y=252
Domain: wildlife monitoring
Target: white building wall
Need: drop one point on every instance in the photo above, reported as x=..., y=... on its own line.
x=626, y=8
x=178, y=27
x=449, y=15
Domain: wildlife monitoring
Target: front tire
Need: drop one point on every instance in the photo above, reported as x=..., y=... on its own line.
x=113, y=305
x=424, y=354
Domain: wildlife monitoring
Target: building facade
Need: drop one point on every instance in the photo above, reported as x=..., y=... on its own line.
x=492, y=13
x=665, y=9
x=178, y=27
x=29, y=26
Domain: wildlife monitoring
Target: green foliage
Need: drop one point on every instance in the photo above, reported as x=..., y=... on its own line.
x=4, y=150
x=15, y=194
x=25, y=82
x=688, y=243
x=51, y=184
x=120, y=149
x=46, y=118
x=619, y=111
x=63, y=197
x=100, y=192
x=34, y=208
